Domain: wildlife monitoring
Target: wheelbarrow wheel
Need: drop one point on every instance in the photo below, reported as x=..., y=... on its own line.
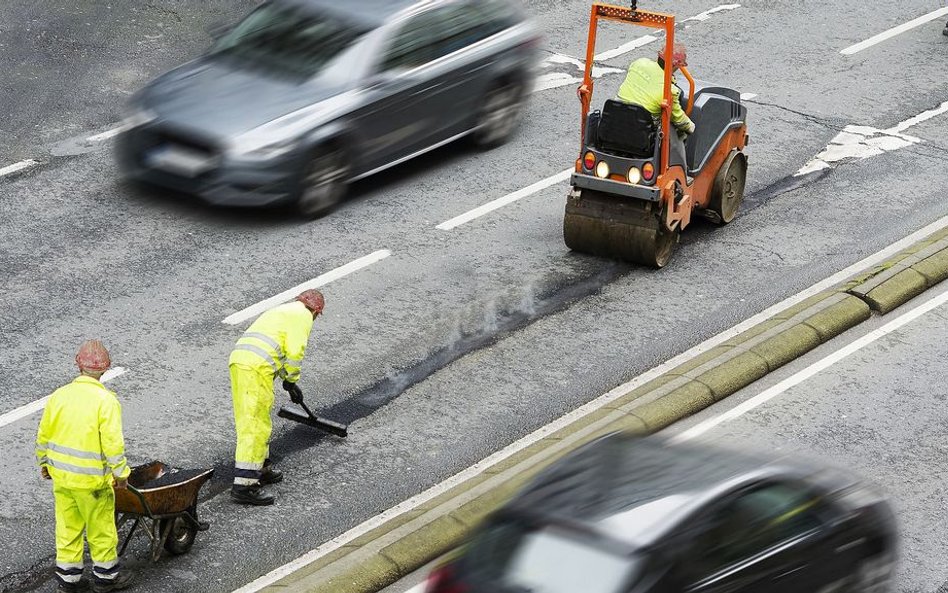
x=181, y=537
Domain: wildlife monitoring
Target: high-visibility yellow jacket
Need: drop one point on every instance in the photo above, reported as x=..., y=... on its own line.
x=275, y=343
x=79, y=439
x=644, y=85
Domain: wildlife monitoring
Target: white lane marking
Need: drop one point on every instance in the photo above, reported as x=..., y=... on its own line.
x=707, y=14
x=15, y=167
x=625, y=48
x=858, y=47
x=747, y=96
x=508, y=199
x=419, y=588
x=321, y=280
x=921, y=117
x=815, y=368
x=541, y=433
x=33, y=407
x=554, y=80
x=107, y=134
x=862, y=142
x=597, y=71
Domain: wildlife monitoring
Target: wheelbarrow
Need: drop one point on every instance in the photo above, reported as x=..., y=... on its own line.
x=164, y=502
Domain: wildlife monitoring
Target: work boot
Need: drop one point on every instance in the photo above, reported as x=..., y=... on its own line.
x=268, y=475
x=122, y=580
x=945, y=31
x=250, y=495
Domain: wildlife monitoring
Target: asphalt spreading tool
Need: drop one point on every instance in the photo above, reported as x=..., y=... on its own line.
x=304, y=415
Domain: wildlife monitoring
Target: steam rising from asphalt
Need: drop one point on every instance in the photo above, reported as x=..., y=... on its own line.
x=479, y=326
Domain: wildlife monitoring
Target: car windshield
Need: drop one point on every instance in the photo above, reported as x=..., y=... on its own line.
x=287, y=41
x=549, y=560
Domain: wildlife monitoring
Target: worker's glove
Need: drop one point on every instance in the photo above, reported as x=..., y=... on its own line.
x=296, y=394
x=44, y=471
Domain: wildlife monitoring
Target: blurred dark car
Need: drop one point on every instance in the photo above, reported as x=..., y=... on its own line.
x=625, y=514
x=304, y=96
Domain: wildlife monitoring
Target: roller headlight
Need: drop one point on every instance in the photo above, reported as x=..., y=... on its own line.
x=634, y=175
x=602, y=170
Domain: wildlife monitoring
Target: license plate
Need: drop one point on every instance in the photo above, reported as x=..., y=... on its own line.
x=179, y=160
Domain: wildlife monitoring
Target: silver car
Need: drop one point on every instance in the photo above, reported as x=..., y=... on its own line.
x=303, y=97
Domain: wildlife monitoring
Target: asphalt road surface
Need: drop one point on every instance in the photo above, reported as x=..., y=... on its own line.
x=460, y=341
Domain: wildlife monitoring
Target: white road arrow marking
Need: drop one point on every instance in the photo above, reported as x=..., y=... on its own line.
x=861, y=142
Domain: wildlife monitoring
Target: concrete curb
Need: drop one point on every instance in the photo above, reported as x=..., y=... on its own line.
x=408, y=541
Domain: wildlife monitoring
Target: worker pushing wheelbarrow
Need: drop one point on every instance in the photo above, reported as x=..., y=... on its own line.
x=164, y=502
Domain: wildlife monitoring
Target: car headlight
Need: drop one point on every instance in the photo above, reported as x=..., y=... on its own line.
x=138, y=117
x=266, y=151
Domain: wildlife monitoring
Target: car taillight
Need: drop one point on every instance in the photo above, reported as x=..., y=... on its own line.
x=589, y=161
x=648, y=171
x=443, y=580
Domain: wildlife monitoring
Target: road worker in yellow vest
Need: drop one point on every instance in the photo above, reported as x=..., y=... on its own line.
x=80, y=447
x=644, y=85
x=273, y=346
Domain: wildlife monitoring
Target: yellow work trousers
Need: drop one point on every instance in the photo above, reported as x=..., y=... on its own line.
x=253, y=398
x=92, y=511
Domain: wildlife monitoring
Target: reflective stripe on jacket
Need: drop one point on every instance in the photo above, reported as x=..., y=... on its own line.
x=275, y=343
x=644, y=85
x=80, y=436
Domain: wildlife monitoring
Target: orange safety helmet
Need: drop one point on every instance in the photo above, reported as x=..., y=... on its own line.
x=313, y=299
x=93, y=357
x=679, y=56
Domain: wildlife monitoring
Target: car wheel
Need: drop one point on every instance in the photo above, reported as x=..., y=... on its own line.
x=499, y=114
x=323, y=184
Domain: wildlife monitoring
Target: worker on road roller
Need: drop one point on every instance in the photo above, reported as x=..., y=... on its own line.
x=644, y=86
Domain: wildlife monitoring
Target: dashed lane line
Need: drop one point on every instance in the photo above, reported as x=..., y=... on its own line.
x=17, y=167
x=34, y=407
x=322, y=280
x=890, y=33
x=508, y=199
x=111, y=133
